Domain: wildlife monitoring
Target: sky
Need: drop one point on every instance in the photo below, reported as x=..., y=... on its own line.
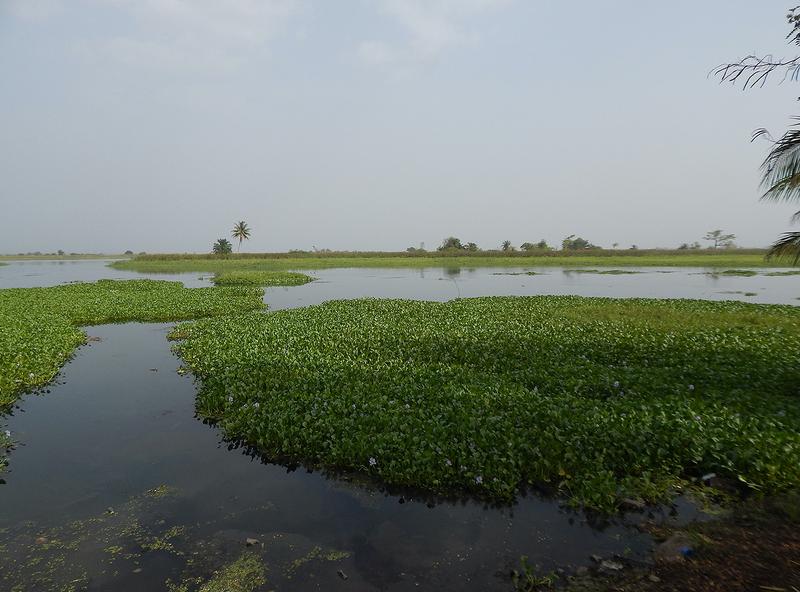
x=155, y=125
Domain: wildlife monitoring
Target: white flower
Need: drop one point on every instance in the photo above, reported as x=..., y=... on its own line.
x=448, y=462
x=256, y=405
x=8, y=433
x=372, y=461
x=691, y=387
x=616, y=384
x=478, y=479
x=230, y=399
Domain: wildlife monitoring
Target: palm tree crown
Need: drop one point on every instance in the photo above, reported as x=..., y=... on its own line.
x=241, y=231
x=781, y=182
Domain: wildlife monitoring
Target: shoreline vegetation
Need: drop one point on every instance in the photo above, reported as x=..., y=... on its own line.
x=186, y=262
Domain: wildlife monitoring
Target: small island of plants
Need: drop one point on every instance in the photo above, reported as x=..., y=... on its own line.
x=39, y=327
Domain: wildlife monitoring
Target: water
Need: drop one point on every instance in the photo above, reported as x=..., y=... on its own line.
x=119, y=422
x=445, y=284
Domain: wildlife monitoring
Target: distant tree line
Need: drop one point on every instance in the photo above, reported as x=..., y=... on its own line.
x=717, y=238
x=452, y=243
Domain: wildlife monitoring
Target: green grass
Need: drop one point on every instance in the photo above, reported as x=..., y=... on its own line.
x=261, y=278
x=599, y=399
x=176, y=263
x=39, y=327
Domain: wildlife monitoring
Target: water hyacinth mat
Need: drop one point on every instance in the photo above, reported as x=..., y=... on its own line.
x=599, y=399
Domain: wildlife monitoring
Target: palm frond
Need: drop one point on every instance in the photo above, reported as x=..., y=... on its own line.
x=781, y=167
x=788, y=245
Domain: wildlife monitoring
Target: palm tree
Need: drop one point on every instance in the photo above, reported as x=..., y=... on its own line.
x=781, y=182
x=242, y=232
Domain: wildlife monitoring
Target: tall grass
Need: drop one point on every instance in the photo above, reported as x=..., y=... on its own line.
x=178, y=262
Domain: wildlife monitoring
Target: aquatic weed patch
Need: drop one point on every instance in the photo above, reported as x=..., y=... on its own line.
x=600, y=399
x=6, y=443
x=261, y=278
x=605, y=271
x=39, y=326
x=735, y=272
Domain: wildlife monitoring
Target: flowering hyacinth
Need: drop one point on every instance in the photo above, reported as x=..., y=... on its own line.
x=448, y=462
x=230, y=399
x=8, y=433
x=478, y=479
x=691, y=387
x=616, y=384
x=372, y=461
x=256, y=405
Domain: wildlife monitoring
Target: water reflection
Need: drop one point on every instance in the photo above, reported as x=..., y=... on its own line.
x=120, y=422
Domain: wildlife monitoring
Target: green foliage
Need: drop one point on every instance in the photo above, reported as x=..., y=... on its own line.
x=526, y=578
x=540, y=246
x=601, y=399
x=39, y=326
x=686, y=246
x=719, y=239
x=241, y=231
x=245, y=574
x=451, y=243
x=736, y=272
x=176, y=263
x=573, y=243
x=781, y=273
x=261, y=278
x=222, y=247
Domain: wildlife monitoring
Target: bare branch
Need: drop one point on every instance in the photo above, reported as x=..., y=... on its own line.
x=752, y=71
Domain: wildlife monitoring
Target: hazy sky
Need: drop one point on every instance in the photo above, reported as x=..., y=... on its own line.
x=377, y=124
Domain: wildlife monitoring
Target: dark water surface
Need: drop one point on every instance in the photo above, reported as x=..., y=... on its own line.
x=116, y=486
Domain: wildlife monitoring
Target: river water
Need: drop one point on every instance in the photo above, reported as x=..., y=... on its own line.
x=115, y=485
